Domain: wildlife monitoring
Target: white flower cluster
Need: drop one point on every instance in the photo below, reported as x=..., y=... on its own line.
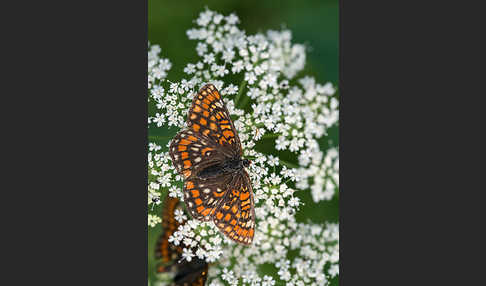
x=294, y=112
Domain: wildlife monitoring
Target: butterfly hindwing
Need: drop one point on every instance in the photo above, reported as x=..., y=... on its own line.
x=203, y=196
x=164, y=250
x=235, y=216
x=193, y=273
x=190, y=153
x=183, y=272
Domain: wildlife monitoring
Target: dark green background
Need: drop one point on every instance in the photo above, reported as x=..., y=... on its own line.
x=313, y=23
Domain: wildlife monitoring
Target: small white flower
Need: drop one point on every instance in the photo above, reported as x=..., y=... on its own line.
x=179, y=215
x=187, y=254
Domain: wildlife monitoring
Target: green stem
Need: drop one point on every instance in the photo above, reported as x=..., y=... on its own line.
x=244, y=102
x=157, y=137
x=240, y=92
x=270, y=135
x=288, y=164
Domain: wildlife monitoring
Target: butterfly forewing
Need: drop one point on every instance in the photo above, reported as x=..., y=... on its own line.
x=209, y=116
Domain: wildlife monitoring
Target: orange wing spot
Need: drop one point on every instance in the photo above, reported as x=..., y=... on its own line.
x=245, y=232
x=187, y=164
x=228, y=133
x=218, y=116
x=182, y=148
x=205, y=113
x=225, y=127
x=210, y=97
x=206, y=212
x=206, y=150
x=206, y=132
x=233, y=222
x=224, y=122
x=227, y=217
x=225, y=207
x=196, y=127
x=212, y=118
x=206, y=101
x=219, y=215
x=198, y=201
x=245, y=207
x=185, y=142
x=250, y=233
x=205, y=106
x=221, y=140
x=189, y=185
x=193, y=116
x=239, y=231
x=244, y=196
x=184, y=155
x=197, y=108
x=192, y=138
x=213, y=126
x=235, y=193
x=218, y=195
x=203, y=121
x=236, y=228
x=186, y=173
x=234, y=209
x=216, y=94
x=200, y=209
x=227, y=229
x=195, y=193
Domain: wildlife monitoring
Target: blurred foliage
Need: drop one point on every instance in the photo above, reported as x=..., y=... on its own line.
x=312, y=22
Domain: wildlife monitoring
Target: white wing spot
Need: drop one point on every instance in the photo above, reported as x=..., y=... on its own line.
x=197, y=160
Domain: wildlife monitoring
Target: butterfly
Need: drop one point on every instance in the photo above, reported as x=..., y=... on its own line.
x=185, y=273
x=208, y=154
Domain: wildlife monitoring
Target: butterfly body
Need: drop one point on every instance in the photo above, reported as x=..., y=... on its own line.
x=233, y=165
x=208, y=154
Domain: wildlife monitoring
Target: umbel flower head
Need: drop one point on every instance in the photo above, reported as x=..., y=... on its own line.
x=271, y=107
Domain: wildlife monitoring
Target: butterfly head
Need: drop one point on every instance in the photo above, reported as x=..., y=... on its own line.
x=246, y=163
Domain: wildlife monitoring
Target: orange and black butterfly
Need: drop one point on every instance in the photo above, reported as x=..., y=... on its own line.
x=208, y=155
x=185, y=273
